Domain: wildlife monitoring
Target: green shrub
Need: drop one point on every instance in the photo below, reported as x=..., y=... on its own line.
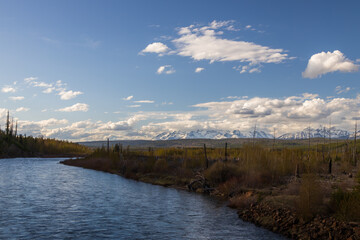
x=346, y=205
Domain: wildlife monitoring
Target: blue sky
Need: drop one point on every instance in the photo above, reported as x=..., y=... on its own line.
x=88, y=70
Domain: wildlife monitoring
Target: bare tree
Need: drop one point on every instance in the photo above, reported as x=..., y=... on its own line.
x=254, y=135
x=354, y=153
x=7, y=130
x=274, y=139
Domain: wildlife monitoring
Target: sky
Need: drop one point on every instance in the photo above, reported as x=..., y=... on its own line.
x=91, y=70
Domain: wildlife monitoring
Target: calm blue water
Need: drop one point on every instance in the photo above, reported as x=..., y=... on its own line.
x=42, y=199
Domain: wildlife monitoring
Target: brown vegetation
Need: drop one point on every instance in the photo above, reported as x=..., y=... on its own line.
x=300, y=180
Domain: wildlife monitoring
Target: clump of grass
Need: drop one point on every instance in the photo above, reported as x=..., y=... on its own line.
x=160, y=165
x=230, y=187
x=220, y=172
x=346, y=205
x=310, y=196
x=243, y=201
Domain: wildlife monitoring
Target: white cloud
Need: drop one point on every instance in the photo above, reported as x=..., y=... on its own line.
x=205, y=44
x=167, y=103
x=30, y=79
x=128, y=98
x=8, y=89
x=144, y=101
x=233, y=97
x=116, y=126
x=326, y=62
x=66, y=95
x=167, y=69
x=18, y=98
x=199, y=69
x=340, y=89
x=134, y=106
x=156, y=47
x=58, y=87
x=78, y=107
x=22, y=109
x=52, y=122
x=41, y=84
x=248, y=68
x=49, y=90
x=288, y=114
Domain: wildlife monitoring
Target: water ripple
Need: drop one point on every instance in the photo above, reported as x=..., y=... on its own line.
x=41, y=199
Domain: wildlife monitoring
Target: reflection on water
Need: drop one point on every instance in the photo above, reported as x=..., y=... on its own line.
x=42, y=199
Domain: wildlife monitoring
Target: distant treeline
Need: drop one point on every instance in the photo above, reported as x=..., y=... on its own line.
x=13, y=144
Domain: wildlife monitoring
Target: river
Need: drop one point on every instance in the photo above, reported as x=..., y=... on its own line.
x=42, y=199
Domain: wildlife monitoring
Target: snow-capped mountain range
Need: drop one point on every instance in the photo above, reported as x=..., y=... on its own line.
x=221, y=134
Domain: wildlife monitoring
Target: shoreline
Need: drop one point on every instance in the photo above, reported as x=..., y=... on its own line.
x=45, y=156
x=281, y=220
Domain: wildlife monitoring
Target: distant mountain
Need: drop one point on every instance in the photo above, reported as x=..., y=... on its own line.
x=222, y=134
x=318, y=133
x=211, y=134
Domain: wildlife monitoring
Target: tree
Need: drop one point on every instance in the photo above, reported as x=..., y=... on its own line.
x=7, y=130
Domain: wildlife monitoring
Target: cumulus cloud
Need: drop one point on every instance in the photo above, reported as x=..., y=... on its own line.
x=49, y=90
x=199, y=69
x=66, y=95
x=288, y=114
x=128, y=98
x=82, y=130
x=116, y=126
x=78, y=107
x=18, y=98
x=58, y=88
x=326, y=62
x=156, y=47
x=8, y=89
x=167, y=69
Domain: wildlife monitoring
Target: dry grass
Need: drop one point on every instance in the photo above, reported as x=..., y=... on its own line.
x=243, y=201
x=310, y=196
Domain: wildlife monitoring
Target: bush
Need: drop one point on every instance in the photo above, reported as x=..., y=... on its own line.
x=346, y=205
x=230, y=187
x=160, y=165
x=243, y=201
x=220, y=172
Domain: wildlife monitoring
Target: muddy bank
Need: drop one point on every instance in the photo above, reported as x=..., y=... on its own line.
x=287, y=223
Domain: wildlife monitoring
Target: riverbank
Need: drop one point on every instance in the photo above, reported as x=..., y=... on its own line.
x=273, y=208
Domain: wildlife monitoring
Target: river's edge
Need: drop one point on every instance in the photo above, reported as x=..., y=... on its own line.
x=281, y=220
x=43, y=156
